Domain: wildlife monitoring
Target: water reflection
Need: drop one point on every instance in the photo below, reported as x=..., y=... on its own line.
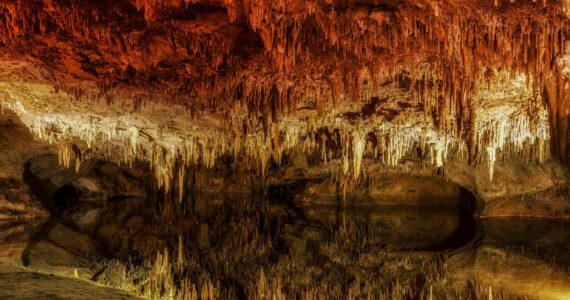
x=386, y=251
x=399, y=228
x=545, y=240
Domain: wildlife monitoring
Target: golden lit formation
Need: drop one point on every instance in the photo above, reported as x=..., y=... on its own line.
x=388, y=125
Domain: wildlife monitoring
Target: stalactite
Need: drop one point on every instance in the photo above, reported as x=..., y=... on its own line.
x=330, y=58
x=307, y=40
x=357, y=152
x=181, y=182
x=521, y=129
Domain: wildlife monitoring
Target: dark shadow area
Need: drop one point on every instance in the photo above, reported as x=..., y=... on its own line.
x=41, y=188
x=546, y=240
x=54, y=200
x=36, y=238
x=468, y=231
x=65, y=198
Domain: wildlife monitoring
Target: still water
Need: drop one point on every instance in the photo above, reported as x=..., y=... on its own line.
x=279, y=249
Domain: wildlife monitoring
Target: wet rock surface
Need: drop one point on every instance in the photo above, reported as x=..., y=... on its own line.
x=398, y=236
x=17, y=146
x=21, y=283
x=402, y=190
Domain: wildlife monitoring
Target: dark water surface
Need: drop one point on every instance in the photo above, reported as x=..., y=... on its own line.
x=385, y=251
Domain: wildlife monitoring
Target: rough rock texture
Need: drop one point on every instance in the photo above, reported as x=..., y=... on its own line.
x=17, y=146
x=519, y=189
x=192, y=83
x=38, y=285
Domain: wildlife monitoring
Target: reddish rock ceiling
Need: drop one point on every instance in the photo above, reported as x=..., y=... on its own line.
x=278, y=57
x=212, y=51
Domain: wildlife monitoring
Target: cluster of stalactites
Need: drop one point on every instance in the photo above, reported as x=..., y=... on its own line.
x=485, y=38
x=511, y=120
x=151, y=7
x=313, y=47
x=312, y=44
x=386, y=143
x=519, y=128
x=19, y=18
x=123, y=141
x=170, y=155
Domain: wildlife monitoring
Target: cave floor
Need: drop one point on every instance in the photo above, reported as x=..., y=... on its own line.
x=18, y=282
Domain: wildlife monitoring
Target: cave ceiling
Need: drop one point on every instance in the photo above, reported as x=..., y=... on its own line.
x=185, y=82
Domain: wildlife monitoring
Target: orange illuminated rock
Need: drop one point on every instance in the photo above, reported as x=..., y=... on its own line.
x=201, y=79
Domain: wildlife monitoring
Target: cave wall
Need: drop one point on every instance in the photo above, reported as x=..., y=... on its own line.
x=17, y=146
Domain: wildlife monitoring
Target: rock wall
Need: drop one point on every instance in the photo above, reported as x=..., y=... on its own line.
x=519, y=189
x=17, y=146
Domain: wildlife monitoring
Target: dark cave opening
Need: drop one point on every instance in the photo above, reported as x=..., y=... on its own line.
x=40, y=188
x=53, y=199
x=374, y=217
x=65, y=198
x=468, y=230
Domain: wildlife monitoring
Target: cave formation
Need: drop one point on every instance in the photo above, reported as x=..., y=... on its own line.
x=310, y=103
